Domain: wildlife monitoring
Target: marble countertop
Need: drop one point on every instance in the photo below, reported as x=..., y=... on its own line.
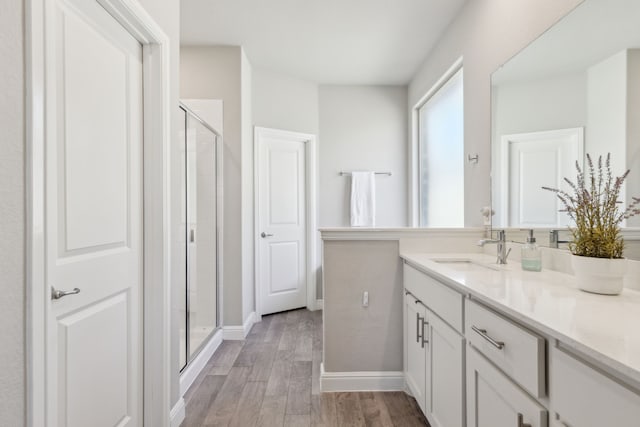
x=605, y=328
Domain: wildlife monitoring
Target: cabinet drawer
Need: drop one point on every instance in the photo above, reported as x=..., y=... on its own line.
x=441, y=299
x=584, y=397
x=517, y=351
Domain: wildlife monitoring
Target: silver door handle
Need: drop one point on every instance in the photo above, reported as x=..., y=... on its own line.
x=521, y=422
x=56, y=294
x=263, y=235
x=483, y=333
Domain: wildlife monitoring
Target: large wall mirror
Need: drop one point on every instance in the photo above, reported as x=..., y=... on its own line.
x=574, y=90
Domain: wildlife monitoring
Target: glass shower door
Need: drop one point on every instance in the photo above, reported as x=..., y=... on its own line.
x=200, y=226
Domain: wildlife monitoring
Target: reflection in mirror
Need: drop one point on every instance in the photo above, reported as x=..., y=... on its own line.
x=574, y=90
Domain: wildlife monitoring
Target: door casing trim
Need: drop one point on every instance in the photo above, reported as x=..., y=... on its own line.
x=156, y=176
x=311, y=205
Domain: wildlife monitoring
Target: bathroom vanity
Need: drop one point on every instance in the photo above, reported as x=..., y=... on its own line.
x=506, y=347
x=477, y=344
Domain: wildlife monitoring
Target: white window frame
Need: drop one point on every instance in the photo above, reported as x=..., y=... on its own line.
x=414, y=152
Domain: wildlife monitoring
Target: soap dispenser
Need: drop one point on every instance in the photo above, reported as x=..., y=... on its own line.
x=531, y=255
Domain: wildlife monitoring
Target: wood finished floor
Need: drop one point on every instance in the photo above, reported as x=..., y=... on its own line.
x=272, y=379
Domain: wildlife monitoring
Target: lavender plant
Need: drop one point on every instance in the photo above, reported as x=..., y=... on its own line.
x=596, y=210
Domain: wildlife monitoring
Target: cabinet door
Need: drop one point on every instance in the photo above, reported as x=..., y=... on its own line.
x=493, y=400
x=446, y=370
x=416, y=350
x=584, y=397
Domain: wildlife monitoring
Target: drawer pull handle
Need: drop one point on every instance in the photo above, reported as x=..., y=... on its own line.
x=521, y=422
x=483, y=333
x=424, y=336
x=419, y=320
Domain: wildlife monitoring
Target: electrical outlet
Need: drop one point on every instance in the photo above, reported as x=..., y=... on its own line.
x=365, y=299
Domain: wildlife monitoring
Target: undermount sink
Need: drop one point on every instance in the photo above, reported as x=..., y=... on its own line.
x=465, y=265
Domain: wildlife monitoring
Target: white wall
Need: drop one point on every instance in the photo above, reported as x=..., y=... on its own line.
x=219, y=72
x=12, y=215
x=362, y=128
x=606, y=130
x=283, y=102
x=486, y=34
x=555, y=103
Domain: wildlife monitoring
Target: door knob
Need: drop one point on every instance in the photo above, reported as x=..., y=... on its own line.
x=263, y=235
x=56, y=294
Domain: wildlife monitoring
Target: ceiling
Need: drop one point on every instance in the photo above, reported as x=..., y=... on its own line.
x=324, y=41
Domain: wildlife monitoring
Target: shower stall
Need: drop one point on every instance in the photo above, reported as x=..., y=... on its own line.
x=199, y=302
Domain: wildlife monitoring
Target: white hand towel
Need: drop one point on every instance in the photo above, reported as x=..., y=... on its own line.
x=363, y=199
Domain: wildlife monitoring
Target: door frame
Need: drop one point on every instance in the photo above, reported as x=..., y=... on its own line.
x=156, y=217
x=259, y=133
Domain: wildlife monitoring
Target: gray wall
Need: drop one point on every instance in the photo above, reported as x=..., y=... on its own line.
x=248, y=235
x=216, y=72
x=486, y=33
x=360, y=338
x=363, y=128
x=12, y=215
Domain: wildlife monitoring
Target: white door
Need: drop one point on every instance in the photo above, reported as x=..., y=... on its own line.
x=282, y=223
x=93, y=218
x=534, y=160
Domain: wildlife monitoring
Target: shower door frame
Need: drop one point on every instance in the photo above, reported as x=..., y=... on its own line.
x=219, y=235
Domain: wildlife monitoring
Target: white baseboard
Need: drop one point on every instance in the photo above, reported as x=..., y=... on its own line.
x=238, y=333
x=196, y=366
x=178, y=413
x=319, y=304
x=361, y=381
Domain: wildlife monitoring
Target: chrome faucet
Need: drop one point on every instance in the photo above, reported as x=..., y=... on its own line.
x=553, y=239
x=501, y=243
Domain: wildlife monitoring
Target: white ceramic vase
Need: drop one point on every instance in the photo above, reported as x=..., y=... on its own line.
x=599, y=275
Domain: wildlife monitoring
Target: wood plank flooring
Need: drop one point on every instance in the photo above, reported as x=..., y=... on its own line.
x=272, y=379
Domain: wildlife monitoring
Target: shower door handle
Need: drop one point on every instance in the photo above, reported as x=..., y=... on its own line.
x=263, y=235
x=192, y=235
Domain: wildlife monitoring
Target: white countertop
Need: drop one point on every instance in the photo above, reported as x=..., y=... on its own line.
x=605, y=328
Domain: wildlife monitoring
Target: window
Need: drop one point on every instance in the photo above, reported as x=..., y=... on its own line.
x=441, y=156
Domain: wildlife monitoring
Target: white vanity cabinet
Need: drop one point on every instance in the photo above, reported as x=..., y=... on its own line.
x=434, y=349
x=472, y=360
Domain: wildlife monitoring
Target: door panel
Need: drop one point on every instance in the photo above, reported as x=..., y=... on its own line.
x=534, y=160
x=93, y=155
x=284, y=194
x=285, y=277
x=95, y=346
x=94, y=143
x=282, y=218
